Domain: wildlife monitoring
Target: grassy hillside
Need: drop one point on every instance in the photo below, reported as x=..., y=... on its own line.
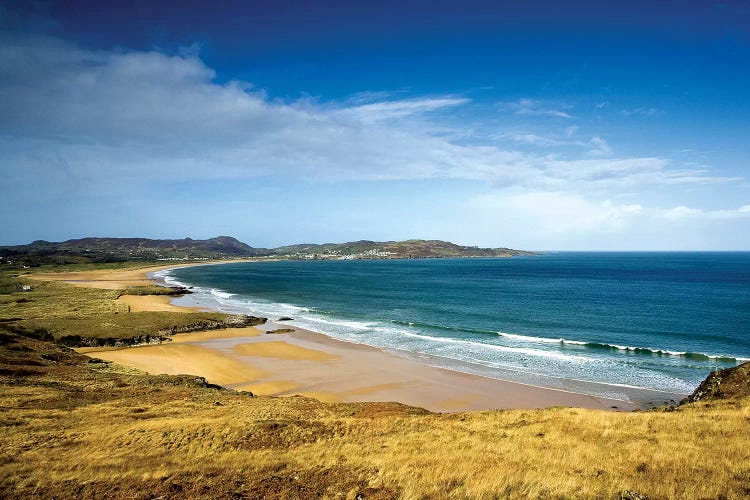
x=77, y=428
x=109, y=250
x=90, y=317
x=396, y=249
x=125, y=249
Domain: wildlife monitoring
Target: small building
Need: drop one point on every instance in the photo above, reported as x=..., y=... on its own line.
x=26, y=288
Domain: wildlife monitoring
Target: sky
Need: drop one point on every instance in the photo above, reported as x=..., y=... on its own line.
x=539, y=125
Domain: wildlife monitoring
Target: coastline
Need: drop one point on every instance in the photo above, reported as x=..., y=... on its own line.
x=115, y=279
x=354, y=374
x=313, y=364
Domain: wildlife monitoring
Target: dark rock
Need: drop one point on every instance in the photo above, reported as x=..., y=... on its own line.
x=285, y=318
x=78, y=341
x=723, y=384
x=184, y=380
x=280, y=330
x=95, y=361
x=232, y=321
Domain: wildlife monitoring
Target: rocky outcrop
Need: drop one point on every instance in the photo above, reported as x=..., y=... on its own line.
x=186, y=381
x=232, y=321
x=280, y=330
x=172, y=291
x=723, y=384
x=78, y=341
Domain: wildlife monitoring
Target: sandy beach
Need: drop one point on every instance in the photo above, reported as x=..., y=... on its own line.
x=311, y=364
x=116, y=279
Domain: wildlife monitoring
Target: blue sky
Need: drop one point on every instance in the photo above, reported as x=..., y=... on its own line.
x=524, y=124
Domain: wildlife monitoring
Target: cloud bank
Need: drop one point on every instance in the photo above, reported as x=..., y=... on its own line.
x=153, y=114
x=73, y=120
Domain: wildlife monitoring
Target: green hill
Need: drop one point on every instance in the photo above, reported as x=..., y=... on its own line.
x=395, y=250
x=99, y=250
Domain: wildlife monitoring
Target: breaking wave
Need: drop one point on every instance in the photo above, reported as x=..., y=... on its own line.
x=698, y=356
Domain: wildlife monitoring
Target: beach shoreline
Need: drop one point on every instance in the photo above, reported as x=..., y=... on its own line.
x=313, y=364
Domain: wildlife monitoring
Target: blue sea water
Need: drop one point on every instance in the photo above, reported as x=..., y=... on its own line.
x=600, y=323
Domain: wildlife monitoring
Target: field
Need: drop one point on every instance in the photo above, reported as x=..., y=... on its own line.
x=74, y=427
x=79, y=316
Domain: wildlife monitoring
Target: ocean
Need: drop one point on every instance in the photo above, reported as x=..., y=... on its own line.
x=606, y=324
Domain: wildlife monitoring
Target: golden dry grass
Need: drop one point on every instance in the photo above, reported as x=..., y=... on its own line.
x=74, y=429
x=80, y=429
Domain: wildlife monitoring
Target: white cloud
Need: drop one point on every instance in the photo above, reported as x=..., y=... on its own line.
x=600, y=147
x=680, y=212
x=557, y=212
x=642, y=111
x=625, y=172
x=81, y=117
x=388, y=110
x=535, y=107
x=686, y=213
x=531, y=139
x=569, y=220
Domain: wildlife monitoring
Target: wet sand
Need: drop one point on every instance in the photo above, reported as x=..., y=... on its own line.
x=311, y=364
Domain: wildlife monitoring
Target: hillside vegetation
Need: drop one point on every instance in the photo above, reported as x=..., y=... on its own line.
x=100, y=250
x=75, y=427
x=103, y=250
x=396, y=249
x=78, y=317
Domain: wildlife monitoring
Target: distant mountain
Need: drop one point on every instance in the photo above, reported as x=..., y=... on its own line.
x=394, y=249
x=221, y=244
x=123, y=249
x=225, y=247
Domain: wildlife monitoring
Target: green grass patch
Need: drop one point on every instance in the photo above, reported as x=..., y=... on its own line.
x=154, y=290
x=125, y=325
x=55, y=300
x=73, y=314
x=9, y=284
x=94, y=266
